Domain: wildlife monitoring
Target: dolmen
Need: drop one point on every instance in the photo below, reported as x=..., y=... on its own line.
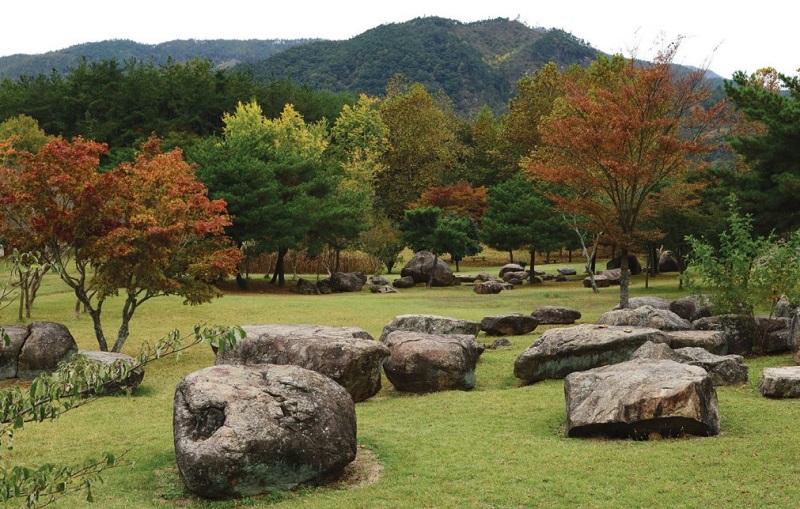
x=559, y=352
x=723, y=369
x=556, y=315
x=509, y=324
x=430, y=353
x=34, y=349
x=645, y=316
x=348, y=355
x=641, y=399
x=242, y=431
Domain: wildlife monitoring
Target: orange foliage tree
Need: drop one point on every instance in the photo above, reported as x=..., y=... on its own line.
x=621, y=142
x=461, y=199
x=144, y=229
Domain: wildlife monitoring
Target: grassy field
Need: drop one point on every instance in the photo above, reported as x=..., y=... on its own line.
x=500, y=445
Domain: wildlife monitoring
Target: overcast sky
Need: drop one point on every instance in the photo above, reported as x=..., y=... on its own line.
x=721, y=35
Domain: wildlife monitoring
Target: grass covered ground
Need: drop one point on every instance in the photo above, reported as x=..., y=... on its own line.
x=500, y=445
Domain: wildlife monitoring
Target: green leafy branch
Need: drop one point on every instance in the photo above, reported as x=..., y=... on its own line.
x=75, y=383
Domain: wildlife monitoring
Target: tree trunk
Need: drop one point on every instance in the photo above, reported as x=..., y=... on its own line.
x=98, y=330
x=531, y=269
x=510, y=256
x=625, y=278
x=336, y=265
x=124, y=329
x=279, y=274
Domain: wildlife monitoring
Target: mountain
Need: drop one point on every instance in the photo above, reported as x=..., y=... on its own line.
x=473, y=63
x=221, y=53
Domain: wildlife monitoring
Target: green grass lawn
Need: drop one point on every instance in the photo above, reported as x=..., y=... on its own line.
x=500, y=445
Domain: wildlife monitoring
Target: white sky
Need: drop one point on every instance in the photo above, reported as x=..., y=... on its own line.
x=725, y=36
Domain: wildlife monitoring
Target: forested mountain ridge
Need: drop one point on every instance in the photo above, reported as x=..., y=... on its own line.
x=473, y=63
x=221, y=53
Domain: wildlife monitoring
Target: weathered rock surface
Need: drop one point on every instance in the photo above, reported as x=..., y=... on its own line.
x=513, y=277
x=781, y=382
x=305, y=287
x=614, y=276
x=347, y=281
x=645, y=316
x=560, y=352
x=348, y=355
x=510, y=324
x=710, y=340
x=423, y=362
x=382, y=289
x=641, y=397
x=47, y=344
x=667, y=262
x=634, y=266
x=556, y=315
x=130, y=382
x=419, y=268
x=510, y=267
x=431, y=324
x=489, y=287
x=241, y=431
x=739, y=331
x=378, y=280
x=723, y=369
x=566, y=271
x=692, y=307
x=9, y=355
x=654, y=302
x=404, y=282
x=599, y=280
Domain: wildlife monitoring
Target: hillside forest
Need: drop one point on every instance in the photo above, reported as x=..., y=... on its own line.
x=634, y=155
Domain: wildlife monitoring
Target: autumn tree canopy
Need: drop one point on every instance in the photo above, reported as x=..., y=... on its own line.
x=622, y=138
x=144, y=229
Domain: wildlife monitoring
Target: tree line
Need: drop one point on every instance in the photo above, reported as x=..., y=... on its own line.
x=633, y=154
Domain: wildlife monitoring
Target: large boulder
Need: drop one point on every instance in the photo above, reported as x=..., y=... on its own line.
x=510, y=267
x=556, y=315
x=559, y=352
x=431, y=324
x=47, y=344
x=404, y=282
x=348, y=355
x=692, y=307
x=723, y=369
x=420, y=266
x=639, y=398
x=739, y=330
x=655, y=302
x=509, y=324
x=613, y=276
x=780, y=382
x=668, y=262
x=241, y=431
x=491, y=287
x=645, y=316
x=634, y=266
x=347, y=281
x=115, y=361
x=9, y=354
x=710, y=340
x=422, y=362
x=599, y=280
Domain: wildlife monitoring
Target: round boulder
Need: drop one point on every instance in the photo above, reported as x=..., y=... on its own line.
x=556, y=315
x=242, y=431
x=421, y=362
x=420, y=266
x=47, y=344
x=348, y=355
